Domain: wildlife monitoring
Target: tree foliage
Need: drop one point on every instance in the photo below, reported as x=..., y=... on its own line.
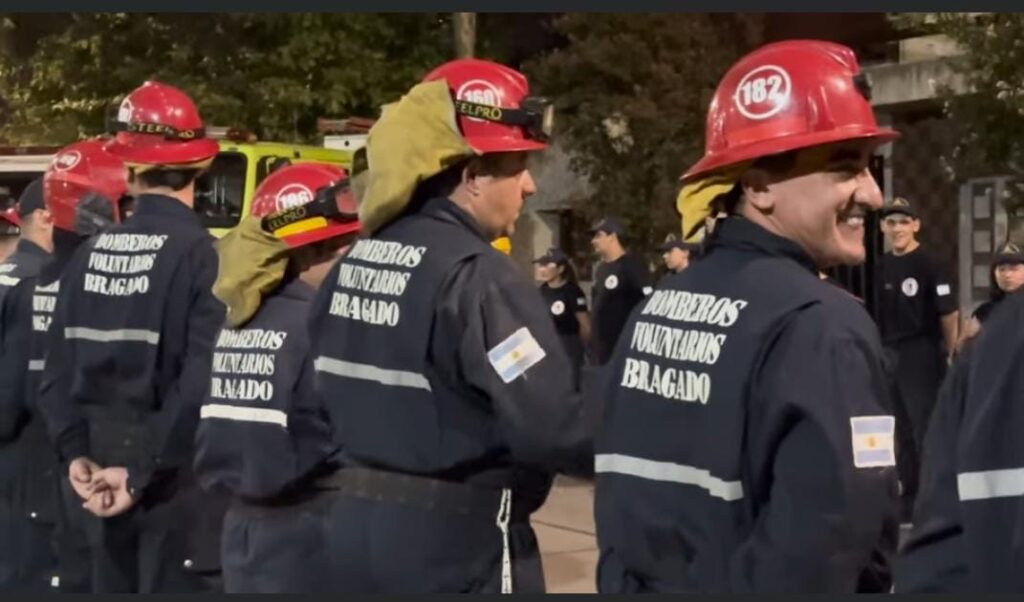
x=274, y=73
x=632, y=92
x=990, y=117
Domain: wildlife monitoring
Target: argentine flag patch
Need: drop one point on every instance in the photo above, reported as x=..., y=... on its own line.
x=515, y=355
x=874, y=442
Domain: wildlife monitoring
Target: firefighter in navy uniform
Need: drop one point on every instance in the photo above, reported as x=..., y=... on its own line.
x=447, y=386
x=567, y=305
x=80, y=191
x=745, y=444
x=620, y=282
x=968, y=515
x=129, y=351
x=26, y=561
x=262, y=437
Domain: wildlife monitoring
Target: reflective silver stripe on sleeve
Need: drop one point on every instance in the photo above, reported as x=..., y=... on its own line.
x=384, y=376
x=9, y=281
x=243, y=414
x=989, y=484
x=669, y=472
x=112, y=336
x=36, y=365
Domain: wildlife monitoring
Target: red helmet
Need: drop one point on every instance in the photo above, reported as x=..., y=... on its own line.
x=786, y=96
x=157, y=125
x=495, y=110
x=82, y=186
x=11, y=215
x=306, y=203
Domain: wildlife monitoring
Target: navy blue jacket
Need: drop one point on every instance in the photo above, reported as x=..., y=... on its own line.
x=261, y=429
x=128, y=357
x=746, y=445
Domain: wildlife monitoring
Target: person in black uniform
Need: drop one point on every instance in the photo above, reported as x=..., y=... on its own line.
x=677, y=253
x=1007, y=277
x=448, y=388
x=620, y=282
x=129, y=352
x=745, y=444
x=918, y=320
x=262, y=437
x=567, y=304
x=26, y=560
x=79, y=192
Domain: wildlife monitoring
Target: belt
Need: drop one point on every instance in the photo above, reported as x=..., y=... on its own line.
x=430, y=494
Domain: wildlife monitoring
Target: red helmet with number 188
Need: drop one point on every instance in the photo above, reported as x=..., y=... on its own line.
x=159, y=126
x=82, y=187
x=306, y=203
x=787, y=96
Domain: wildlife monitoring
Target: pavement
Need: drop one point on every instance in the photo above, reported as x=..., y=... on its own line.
x=566, y=534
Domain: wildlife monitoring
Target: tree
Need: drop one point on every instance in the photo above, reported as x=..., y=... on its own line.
x=273, y=73
x=990, y=118
x=632, y=93
x=464, y=31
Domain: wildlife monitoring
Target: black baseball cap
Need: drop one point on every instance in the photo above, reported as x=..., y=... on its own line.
x=553, y=255
x=673, y=242
x=1010, y=253
x=608, y=225
x=899, y=205
x=31, y=198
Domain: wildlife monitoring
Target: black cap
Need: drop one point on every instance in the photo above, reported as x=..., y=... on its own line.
x=608, y=225
x=553, y=255
x=673, y=242
x=31, y=198
x=1009, y=253
x=899, y=205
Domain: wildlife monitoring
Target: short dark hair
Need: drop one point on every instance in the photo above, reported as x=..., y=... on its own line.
x=175, y=179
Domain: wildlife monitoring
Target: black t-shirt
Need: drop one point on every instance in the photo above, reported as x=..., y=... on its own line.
x=563, y=304
x=618, y=286
x=915, y=294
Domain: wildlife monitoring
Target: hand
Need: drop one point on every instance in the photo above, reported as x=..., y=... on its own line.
x=111, y=495
x=80, y=473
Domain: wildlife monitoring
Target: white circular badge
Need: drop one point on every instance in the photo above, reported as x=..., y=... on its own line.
x=763, y=92
x=558, y=308
x=909, y=287
x=611, y=282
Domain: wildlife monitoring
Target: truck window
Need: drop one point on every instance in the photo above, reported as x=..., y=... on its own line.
x=219, y=191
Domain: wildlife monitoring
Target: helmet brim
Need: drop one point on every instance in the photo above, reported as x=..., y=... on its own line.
x=170, y=153
x=505, y=145
x=774, y=146
x=333, y=230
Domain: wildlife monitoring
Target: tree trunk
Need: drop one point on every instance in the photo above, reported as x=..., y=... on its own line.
x=464, y=29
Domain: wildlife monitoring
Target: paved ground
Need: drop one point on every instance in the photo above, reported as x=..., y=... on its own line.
x=565, y=530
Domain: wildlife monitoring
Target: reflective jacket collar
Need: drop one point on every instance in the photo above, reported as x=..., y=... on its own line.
x=445, y=210
x=741, y=233
x=28, y=247
x=161, y=206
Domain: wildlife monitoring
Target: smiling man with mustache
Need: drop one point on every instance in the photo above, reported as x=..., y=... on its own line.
x=746, y=443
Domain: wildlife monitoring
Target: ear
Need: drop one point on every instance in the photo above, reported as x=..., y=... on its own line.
x=883, y=226
x=757, y=190
x=470, y=175
x=915, y=225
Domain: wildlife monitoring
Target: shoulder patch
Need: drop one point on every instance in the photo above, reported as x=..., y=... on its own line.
x=874, y=443
x=943, y=290
x=515, y=355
